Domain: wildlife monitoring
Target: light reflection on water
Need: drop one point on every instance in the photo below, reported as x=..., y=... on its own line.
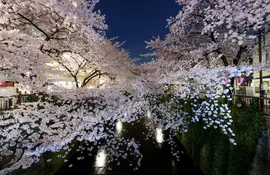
x=149, y=114
x=101, y=158
x=100, y=164
x=159, y=136
x=153, y=128
x=119, y=127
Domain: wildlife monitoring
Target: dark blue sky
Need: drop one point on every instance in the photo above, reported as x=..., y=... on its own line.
x=136, y=21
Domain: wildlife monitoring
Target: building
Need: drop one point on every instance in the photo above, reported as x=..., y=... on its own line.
x=7, y=91
x=265, y=60
x=251, y=85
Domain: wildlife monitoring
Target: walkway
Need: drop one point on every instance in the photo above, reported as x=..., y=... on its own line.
x=261, y=161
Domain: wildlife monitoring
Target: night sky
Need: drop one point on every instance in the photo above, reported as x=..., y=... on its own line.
x=136, y=21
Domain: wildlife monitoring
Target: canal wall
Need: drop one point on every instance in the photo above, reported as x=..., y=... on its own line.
x=211, y=150
x=260, y=164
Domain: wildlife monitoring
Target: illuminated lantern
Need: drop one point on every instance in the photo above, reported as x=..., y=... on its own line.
x=240, y=80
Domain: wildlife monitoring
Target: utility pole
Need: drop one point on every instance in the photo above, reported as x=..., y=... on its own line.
x=261, y=73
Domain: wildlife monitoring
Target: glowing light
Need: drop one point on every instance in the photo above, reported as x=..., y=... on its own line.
x=101, y=81
x=65, y=84
x=50, y=89
x=159, y=135
x=52, y=64
x=68, y=23
x=74, y=3
x=91, y=87
x=119, y=127
x=101, y=159
x=149, y=114
x=67, y=55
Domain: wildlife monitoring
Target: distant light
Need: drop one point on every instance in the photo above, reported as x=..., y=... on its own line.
x=102, y=81
x=101, y=159
x=67, y=55
x=91, y=87
x=52, y=64
x=159, y=135
x=119, y=127
x=75, y=3
x=149, y=114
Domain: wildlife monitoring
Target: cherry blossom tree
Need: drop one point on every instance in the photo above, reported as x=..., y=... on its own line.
x=72, y=40
x=37, y=37
x=41, y=42
x=211, y=33
x=45, y=29
x=82, y=70
x=206, y=38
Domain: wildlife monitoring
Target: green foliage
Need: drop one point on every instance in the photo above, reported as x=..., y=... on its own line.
x=30, y=98
x=220, y=156
x=165, y=98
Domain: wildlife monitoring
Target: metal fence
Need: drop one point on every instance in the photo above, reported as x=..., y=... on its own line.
x=247, y=100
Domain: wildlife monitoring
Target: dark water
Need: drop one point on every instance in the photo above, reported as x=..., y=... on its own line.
x=157, y=159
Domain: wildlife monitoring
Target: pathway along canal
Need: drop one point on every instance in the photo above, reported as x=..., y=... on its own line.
x=157, y=158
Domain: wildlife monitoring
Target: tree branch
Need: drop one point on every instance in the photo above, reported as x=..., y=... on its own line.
x=38, y=28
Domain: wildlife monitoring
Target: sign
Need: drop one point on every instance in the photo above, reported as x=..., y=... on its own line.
x=7, y=84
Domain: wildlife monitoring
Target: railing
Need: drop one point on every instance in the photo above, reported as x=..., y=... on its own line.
x=247, y=100
x=7, y=103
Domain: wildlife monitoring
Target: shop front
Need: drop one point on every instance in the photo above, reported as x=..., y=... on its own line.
x=7, y=92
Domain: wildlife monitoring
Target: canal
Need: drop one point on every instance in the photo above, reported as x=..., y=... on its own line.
x=157, y=155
